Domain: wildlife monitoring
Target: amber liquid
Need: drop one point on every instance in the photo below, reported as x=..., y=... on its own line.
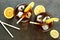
x=24, y=14
x=42, y=23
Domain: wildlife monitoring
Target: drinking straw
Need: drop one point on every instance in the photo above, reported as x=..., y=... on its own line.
x=10, y=25
x=34, y=23
x=45, y=26
x=7, y=30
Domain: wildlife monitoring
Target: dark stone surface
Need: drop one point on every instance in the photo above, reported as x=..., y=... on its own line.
x=28, y=32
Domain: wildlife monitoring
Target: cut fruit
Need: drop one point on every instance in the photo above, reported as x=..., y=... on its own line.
x=9, y=12
x=31, y=5
x=28, y=15
x=54, y=34
x=39, y=9
x=51, y=20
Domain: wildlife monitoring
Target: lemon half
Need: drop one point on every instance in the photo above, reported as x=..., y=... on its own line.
x=54, y=34
x=39, y=9
x=9, y=12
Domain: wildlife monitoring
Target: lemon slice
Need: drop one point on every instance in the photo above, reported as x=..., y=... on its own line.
x=54, y=34
x=31, y=5
x=9, y=12
x=51, y=20
x=39, y=9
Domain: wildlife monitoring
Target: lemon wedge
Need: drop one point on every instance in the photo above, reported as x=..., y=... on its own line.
x=9, y=12
x=51, y=20
x=54, y=34
x=31, y=5
x=39, y=9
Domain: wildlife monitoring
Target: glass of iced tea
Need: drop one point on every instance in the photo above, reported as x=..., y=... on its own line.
x=41, y=18
x=19, y=12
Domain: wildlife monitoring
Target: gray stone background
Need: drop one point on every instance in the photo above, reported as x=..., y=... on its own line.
x=28, y=31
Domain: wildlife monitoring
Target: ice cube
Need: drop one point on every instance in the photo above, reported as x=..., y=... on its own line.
x=45, y=27
x=20, y=8
x=20, y=14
